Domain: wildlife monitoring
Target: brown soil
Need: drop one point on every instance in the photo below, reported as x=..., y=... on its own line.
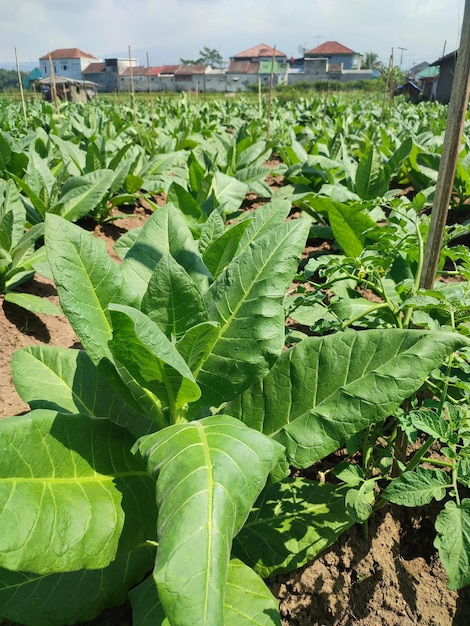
x=392, y=578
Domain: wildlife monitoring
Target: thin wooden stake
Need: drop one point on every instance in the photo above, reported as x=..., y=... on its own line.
x=53, y=86
x=20, y=82
x=132, y=85
x=150, y=92
x=270, y=97
x=450, y=153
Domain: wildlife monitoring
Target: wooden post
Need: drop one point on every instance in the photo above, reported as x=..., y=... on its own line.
x=152, y=116
x=270, y=97
x=131, y=69
x=53, y=86
x=20, y=82
x=450, y=153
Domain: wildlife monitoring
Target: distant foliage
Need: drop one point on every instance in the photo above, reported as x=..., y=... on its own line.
x=8, y=79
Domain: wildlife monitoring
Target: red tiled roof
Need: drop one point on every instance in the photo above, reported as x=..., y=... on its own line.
x=330, y=47
x=67, y=53
x=95, y=68
x=261, y=50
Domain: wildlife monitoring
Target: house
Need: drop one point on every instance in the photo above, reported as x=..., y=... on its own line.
x=339, y=57
x=106, y=73
x=160, y=78
x=443, y=86
x=31, y=78
x=328, y=61
x=256, y=65
x=426, y=79
x=66, y=62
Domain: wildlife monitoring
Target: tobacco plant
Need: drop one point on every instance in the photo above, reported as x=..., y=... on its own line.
x=160, y=452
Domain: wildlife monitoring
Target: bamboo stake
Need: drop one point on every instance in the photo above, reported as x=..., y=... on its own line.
x=53, y=86
x=132, y=85
x=150, y=92
x=20, y=82
x=270, y=97
x=450, y=153
x=387, y=86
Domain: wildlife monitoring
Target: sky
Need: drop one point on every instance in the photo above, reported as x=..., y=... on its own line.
x=416, y=30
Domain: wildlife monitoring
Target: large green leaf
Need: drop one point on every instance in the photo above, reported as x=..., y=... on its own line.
x=248, y=602
x=372, y=177
x=326, y=389
x=86, y=279
x=265, y=219
x=290, y=524
x=209, y=473
x=197, y=343
x=453, y=542
x=247, y=301
x=72, y=496
x=222, y=249
x=47, y=377
x=33, y=303
x=151, y=358
x=165, y=232
x=81, y=195
x=11, y=205
x=72, y=597
x=172, y=299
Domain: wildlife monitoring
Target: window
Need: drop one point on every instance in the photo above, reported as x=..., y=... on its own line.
x=65, y=66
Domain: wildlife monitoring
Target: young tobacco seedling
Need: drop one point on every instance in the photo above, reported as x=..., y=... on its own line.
x=164, y=445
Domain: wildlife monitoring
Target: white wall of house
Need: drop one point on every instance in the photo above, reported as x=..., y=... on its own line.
x=69, y=68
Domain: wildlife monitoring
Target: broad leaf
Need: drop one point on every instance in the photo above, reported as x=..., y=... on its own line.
x=453, y=542
x=290, y=524
x=247, y=301
x=372, y=178
x=165, y=232
x=172, y=299
x=66, y=380
x=209, y=473
x=197, y=343
x=326, y=389
x=33, y=303
x=81, y=195
x=38, y=600
x=86, y=280
x=151, y=359
x=72, y=496
x=248, y=602
x=222, y=250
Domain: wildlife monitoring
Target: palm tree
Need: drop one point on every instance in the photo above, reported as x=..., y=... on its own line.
x=370, y=61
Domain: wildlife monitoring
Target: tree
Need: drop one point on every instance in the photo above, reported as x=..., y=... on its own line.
x=370, y=61
x=207, y=56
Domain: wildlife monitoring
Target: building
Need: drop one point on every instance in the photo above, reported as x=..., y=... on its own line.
x=339, y=57
x=64, y=88
x=328, y=61
x=106, y=73
x=255, y=66
x=442, y=88
x=66, y=62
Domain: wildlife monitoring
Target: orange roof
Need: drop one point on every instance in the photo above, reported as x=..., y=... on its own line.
x=330, y=47
x=67, y=53
x=261, y=50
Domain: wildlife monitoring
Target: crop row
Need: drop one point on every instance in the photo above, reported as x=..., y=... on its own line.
x=174, y=441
